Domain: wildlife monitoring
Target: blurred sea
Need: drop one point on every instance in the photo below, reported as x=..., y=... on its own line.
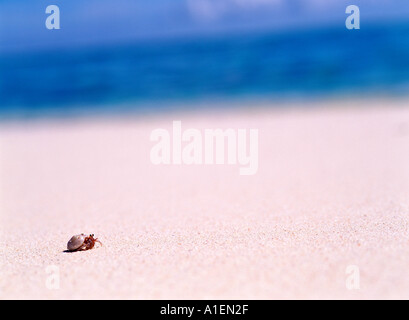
x=296, y=64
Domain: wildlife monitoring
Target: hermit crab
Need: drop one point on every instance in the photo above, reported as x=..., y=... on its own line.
x=82, y=242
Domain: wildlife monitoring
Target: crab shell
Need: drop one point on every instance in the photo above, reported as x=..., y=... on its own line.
x=76, y=242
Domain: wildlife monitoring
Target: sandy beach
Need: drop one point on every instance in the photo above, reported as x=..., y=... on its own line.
x=331, y=191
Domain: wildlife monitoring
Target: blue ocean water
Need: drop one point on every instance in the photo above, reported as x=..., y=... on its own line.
x=302, y=64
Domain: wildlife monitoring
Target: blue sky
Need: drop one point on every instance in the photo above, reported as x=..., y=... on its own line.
x=85, y=22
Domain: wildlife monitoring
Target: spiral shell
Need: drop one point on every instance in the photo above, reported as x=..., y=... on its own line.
x=76, y=242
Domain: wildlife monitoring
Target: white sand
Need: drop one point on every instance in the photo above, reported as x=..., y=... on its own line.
x=332, y=190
